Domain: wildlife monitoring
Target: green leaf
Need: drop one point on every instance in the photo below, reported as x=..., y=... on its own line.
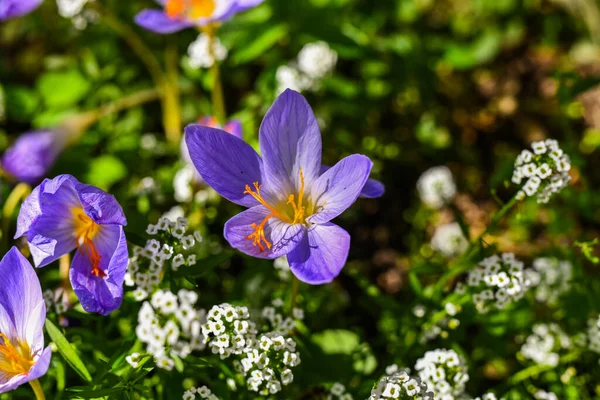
x=61, y=89
x=260, y=45
x=67, y=351
x=83, y=392
x=105, y=171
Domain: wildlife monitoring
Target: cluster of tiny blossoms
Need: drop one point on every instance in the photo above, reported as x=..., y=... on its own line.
x=276, y=319
x=200, y=53
x=171, y=246
x=170, y=326
x=400, y=385
x=551, y=279
x=544, y=345
x=269, y=365
x=449, y=239
x=497, y=281
x=593, y=335
x=543, y=395
x=432, y=330
x=201, y=392
x=444, y=372
x=545, y=170
x=57, y=300
x=338, y=392
x=228, y=330
x=315, y=61
x=436, y=187
x=487, y=396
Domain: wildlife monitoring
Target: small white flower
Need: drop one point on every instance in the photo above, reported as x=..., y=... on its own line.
x=200, y=53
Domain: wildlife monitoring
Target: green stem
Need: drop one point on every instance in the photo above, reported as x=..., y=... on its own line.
x=535, y=370
x=295, y=284
x=217, y=89
x=172, y=109
x=37, y=389
x=19, y=193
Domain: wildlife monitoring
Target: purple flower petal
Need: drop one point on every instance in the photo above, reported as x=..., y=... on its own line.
x=229, y=9
x=102, y=207
x=234, y=127
x=371, y=190
x=46, y=217
x=339, y=187
x=321, y=255
x=16, y=8
x=99, y=294
x=159, y=22
x=283, y=236
x=290, y=140
x=21, y=298
x=225, y=162
x=32, y=155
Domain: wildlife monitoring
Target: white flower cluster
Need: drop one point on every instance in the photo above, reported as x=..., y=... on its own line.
x=431, y=330
x=74, y=10
x=228, y=330
x=449, y=239
x=170, y=326
x=268, y=366
x=283, y=268
x=201, y=393
x=400, y=385
x=201, y=55
x=315, y=61
x=277, y=320
x=593, y=335
x=551, y=279
x=57, y=299
x=444, y=372
x=497, y=281
x=338, y=391
x=172, y=246
x=545, y=170
x=436, y=187
x=544, y=345
x=543, y=395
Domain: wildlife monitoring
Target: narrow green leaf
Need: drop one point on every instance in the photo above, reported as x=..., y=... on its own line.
x=67, y=351
x=87, y=393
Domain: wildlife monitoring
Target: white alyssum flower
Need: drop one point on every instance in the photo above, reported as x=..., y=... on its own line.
x=133, y=360
x=202, y=392
x=400, y=385
x=57, y=300
x=200, y=53
x=593, y=335
x=169, y=325
x=497, y=281
x=290, y=77
x=70, y=8
x=551, y=278
x=545, y=344
x=449, y=239
x=338, y=391
x=444, y=372
x=283, y=268
x=487, y=396
x=277, y=319
x=228, y=330
x=544, y=171
x=543, y=395
x=317, y=59
x=442, y=326
x=436, y=187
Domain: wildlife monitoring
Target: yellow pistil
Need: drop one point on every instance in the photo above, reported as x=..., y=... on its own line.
x=258, y=236
x=85, y=229
x=190, y=9
x=15, y=359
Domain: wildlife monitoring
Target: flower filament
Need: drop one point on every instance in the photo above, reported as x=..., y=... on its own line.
x=85, y=230
x=190, y=9
x=258, y=236
x=15, y=359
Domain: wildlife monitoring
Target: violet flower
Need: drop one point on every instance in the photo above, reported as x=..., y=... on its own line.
x=62, y=215
x=291, y=202
x=32, y=155
x=180, y=14
x=16, y=8
x=23, y=357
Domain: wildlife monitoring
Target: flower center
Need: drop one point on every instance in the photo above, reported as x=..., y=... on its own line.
x=192, y=9
x=85, y=229
x=15, y=359
x=296, y=214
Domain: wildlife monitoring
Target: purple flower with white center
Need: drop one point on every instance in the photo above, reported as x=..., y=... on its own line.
x=62, y=215
x=16, y=8
x=291, y=200
x=182, y=14
x=32, y=155
x=23, y=357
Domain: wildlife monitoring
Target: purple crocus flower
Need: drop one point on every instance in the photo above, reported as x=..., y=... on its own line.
x=16, y=8
x=23, y=357
x=291, y=201
x=181, y=14
x=32, y=155
x=62, y=215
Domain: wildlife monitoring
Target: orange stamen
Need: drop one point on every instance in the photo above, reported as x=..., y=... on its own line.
x=192, y=9
x=175, y=8
x=85, y=230
x=14, y=360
